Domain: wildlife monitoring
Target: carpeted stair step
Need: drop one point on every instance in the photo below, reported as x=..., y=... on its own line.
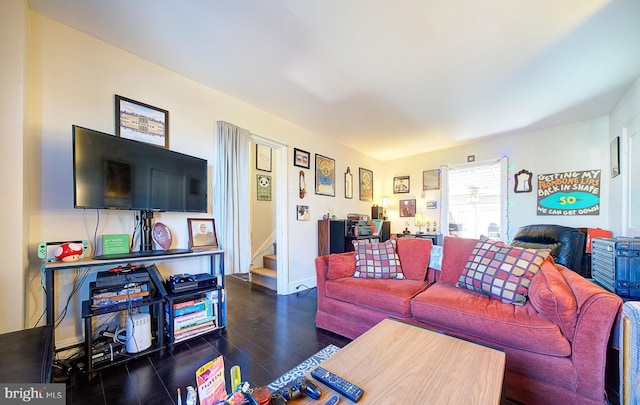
x=270, y=262
x=265, y=277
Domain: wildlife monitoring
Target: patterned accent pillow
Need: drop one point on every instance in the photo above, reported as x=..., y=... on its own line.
x=502, y=272
x=377, y=260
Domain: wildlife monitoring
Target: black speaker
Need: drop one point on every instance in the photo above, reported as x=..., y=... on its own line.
x=377, y=212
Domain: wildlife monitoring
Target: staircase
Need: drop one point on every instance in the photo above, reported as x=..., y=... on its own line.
x=266, y=276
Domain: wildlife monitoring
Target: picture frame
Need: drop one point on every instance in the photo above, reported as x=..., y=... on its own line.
x=141, y=122
x=325, y=176
x=302, y=212
x=202, y=233
x=301, y=158
x=407, y=208
x=366, y=184
x=263, y=187
x=432, y=205
x=431, y=179
x=614, y=151
x=401, y=184
x=348, y=184
x=263, y=157
x=522, y=181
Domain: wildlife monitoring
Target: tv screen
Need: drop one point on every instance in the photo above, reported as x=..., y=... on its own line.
x=110, y=172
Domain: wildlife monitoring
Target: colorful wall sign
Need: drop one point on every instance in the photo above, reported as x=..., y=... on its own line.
x=569, y=193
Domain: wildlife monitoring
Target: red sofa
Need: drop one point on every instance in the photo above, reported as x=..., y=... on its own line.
x=555, y=344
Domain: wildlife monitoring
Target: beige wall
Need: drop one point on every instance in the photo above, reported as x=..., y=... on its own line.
x=14, y=197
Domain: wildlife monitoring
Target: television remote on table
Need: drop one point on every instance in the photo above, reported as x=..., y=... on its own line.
x=339, y=384
x=333, y=400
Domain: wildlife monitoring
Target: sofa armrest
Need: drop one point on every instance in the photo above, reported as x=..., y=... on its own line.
x=597, y=311
x=322, y=269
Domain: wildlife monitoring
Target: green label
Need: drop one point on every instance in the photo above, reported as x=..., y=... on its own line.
x=113, y=244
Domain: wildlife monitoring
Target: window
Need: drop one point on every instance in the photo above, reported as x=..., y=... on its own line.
x=475, y=197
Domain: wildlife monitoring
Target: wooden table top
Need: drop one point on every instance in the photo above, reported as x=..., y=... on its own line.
x=395, y=362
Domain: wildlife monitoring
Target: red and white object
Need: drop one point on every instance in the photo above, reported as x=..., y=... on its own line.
x=162, y=235
x=69, y=252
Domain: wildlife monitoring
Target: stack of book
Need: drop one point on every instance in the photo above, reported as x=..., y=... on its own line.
x=104, y=297
x=194, y=317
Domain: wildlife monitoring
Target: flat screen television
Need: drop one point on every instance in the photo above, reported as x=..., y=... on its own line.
x=110, y=172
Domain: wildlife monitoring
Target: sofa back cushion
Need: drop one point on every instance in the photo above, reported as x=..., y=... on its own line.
x=552, y=297
x=341, y=265
x=414, y=254
x=455, y=254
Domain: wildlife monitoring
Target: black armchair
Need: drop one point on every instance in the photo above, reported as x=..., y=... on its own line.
x=566, y=244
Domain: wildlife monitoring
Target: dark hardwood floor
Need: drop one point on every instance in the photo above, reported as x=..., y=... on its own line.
x=266, y=336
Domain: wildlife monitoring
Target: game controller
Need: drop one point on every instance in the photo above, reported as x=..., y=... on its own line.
x=301, y=386
x=66, y=250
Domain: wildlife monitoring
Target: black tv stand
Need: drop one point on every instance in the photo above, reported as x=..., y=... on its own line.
x=144, y=253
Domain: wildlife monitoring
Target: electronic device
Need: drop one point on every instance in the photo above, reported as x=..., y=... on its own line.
x=70, y=250
x=110, y=172
x=338, y=384
x=187, y=282
x=615, y=265
x=116, y=279
x=138, y=332
x=333, y=400
x=301, y=386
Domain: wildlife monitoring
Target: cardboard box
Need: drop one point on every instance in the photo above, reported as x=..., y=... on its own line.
x=591, y=233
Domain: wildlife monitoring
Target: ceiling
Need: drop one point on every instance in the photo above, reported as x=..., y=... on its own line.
x=388, y=78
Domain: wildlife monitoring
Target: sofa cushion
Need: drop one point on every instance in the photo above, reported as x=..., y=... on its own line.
x=473, y=314
x=392, y=297
x=501, y=272
x=552, y=297
x=341, y=265
x=377, y=260
x=414, y=254
x=455, y=254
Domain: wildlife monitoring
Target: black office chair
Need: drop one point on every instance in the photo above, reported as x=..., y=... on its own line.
x=566, y=244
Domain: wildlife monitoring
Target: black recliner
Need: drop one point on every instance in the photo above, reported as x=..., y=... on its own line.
x=567, y=244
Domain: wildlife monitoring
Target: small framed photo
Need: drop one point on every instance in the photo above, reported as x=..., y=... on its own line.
x=301, y=158
x=302, y=212
x=401, y=184
x=408, y=208
x=432, y=205
x=431, y=179
x=142, y=122
x=202, y=233
x=263, y=158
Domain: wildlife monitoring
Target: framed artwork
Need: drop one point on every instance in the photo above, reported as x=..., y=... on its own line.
x=408, y=208
x=615, y=156
x=263, y=158
x=431, y=179
x=263, y=185
x=142, y=122
x=202, y=233
x=302, y=212
x=325, y=176
x=432, y=205
x=401, y=184
x=301, y=158
x=366, y=185
x=348, y=184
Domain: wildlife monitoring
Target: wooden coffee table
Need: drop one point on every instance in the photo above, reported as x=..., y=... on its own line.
x=398, y=363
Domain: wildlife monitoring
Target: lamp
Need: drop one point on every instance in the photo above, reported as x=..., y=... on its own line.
x=419, y=221
x=385, y=204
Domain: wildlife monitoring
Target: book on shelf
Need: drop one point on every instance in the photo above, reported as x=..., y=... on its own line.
x=194, y=333
x=202, y=316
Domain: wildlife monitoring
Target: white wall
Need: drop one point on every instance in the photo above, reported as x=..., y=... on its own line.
x=627, y=109
x=13, y=199
x=73, y=79
x=579, y=146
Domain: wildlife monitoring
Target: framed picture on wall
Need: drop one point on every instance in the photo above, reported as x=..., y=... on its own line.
x=142, y=122
x=263, y=157
x=366, y=185
x=301, y=158
x=408, y=208
x=325, y=176
x=431, y=179
x=401, y=184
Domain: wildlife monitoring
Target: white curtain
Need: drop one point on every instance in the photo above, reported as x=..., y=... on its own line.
x=231, y=195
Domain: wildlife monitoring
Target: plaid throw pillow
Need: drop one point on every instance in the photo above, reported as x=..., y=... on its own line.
x=502, y=272
x=377, y=260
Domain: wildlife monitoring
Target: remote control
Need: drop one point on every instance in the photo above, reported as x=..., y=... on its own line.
x=333, y=400
x=339, y=384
